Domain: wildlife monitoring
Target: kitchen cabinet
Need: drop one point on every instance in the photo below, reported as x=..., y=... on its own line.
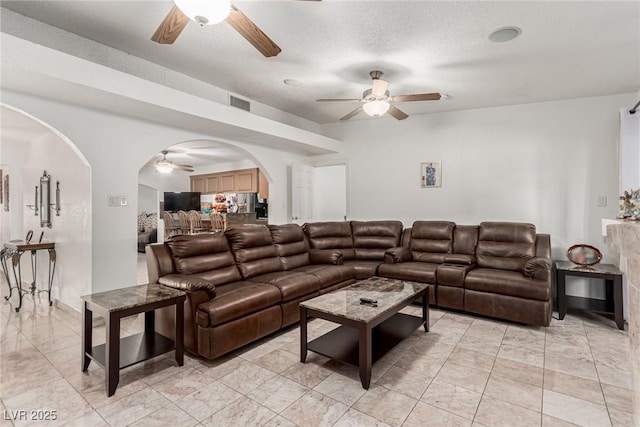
x=263, y=186
x=238, y=181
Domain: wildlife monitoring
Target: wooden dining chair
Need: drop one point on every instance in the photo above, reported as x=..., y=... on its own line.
x=196, y=222
x=170, y=229
x=217, y=221
x=185, y=224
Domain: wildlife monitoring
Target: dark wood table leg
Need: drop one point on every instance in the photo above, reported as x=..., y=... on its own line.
x=112, y=353
x=562, y=298
x=87, y=335
x=303, y=334
x=364, y=356
x=617, y=301
x=425, y=310
x=180, y=332
x=150, y=322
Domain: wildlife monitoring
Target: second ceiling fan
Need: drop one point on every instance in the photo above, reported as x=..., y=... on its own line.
x=377, y=101
x=209, y=12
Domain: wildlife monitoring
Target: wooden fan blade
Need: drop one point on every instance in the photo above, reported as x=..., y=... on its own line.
x=417, y=97
x=379, y=87
x=252, y=33
x=339, y=100
x=396, y=114
x=187, y=168
x=351, y=114
x=171, y=27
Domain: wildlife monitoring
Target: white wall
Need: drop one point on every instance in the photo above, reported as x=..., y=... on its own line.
x=116, y=148
x=543, y=163
x=71, y=230
x=147, y=199
x=13, y=157
x=329, y=194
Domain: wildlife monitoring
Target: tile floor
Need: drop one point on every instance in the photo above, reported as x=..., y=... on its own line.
x=467, y=371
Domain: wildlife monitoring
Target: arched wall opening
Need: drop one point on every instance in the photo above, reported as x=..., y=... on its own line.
x=28, y=148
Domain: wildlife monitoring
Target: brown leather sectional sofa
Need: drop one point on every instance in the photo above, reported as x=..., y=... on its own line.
x=248, y=282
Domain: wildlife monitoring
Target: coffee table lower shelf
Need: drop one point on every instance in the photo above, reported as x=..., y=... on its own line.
x=342, y=343
x=135, y=348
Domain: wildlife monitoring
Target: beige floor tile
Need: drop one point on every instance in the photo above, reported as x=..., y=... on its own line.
x=524, y=336
x=133, y=407
x=497, y=413
x=615, y=376
x=315, y=409
x=463, y=376
x=435, y=350
x=89, y=419
x=452, y=398
x=385, y=405
x=242, y=412
x=278, y=393
x=420, y=364
x=279, y=421
x=353, y=418
x=23, y=371
x=310, y=374
x=480, y=344
x=424, y=415
x=218, y=368
x=517, y=371
x=169, y=416
x=277, y=360
x=576, y=366
x=549, y=421
x=573, y=386
x=472, y=359
x=58, y=396
x=208, y=400
x=182, y=384
x=574, y=410
x=618, y=398
x=377, y=371
x=405, y=382
x=621, y=418
x=515, y=392
x=247, y=378
x=253, y=351
x=341, y=388
x=91, y=385
x=533, y=355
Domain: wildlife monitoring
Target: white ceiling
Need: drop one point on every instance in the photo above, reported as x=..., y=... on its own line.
x=566, y=50
x=201, y=153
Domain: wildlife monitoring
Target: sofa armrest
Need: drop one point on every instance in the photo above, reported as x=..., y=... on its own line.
x=537, y=268
x=188, y=283
x=462, y=259
x=326, y=256
x=397, y=255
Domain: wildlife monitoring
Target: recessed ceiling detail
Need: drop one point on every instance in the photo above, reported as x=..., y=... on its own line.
x=505, y=34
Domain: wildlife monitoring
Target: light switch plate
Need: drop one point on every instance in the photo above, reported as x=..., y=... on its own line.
x=117, y=201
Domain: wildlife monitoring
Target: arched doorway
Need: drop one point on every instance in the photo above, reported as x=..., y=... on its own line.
x=28, y=148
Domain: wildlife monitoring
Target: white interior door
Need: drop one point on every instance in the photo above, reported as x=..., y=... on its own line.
x=330, y=193
x=301, y=194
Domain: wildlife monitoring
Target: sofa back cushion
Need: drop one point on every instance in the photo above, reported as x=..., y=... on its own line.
x=372, y=238
x=253, y=250
x=205, y=255
x=431, y=240
x=465, y=239
x=290, y=245
x=505, y=245
x=330, y=235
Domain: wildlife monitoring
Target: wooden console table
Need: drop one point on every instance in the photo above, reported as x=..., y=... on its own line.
x=13, y=250
x=118, y=353
x=613, y=287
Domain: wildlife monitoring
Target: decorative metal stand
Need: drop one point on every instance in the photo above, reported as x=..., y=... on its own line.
x=13, y=250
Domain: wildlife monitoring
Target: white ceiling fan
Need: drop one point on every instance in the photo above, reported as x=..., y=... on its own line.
x=377, y=101
x=165, y=165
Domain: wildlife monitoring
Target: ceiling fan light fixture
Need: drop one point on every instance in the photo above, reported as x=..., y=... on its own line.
x=207, y=12
x=164, y=167
x=376, y=108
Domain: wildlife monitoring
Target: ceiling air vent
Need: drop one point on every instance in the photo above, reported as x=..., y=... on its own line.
x=239, y=103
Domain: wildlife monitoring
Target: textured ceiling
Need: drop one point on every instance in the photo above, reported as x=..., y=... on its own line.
x=566, y=50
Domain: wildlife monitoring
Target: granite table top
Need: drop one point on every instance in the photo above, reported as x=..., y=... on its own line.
x=597, y=268
x=135, y=296
x=345, y=302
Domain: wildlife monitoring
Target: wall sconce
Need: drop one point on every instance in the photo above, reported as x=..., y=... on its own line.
x=43, y=205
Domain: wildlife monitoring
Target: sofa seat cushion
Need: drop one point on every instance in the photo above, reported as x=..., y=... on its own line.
x=507, y=282
x=364, y=269
x=236, y=300
x=292, y=285
x=424, y=272
x=329, y=275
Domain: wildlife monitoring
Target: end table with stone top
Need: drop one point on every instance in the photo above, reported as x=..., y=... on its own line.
x=118, y=353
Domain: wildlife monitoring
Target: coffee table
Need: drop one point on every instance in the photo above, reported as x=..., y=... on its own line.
x=367, y=332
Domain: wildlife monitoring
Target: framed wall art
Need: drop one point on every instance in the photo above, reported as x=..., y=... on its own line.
x=6, y=192
x=431, y=174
